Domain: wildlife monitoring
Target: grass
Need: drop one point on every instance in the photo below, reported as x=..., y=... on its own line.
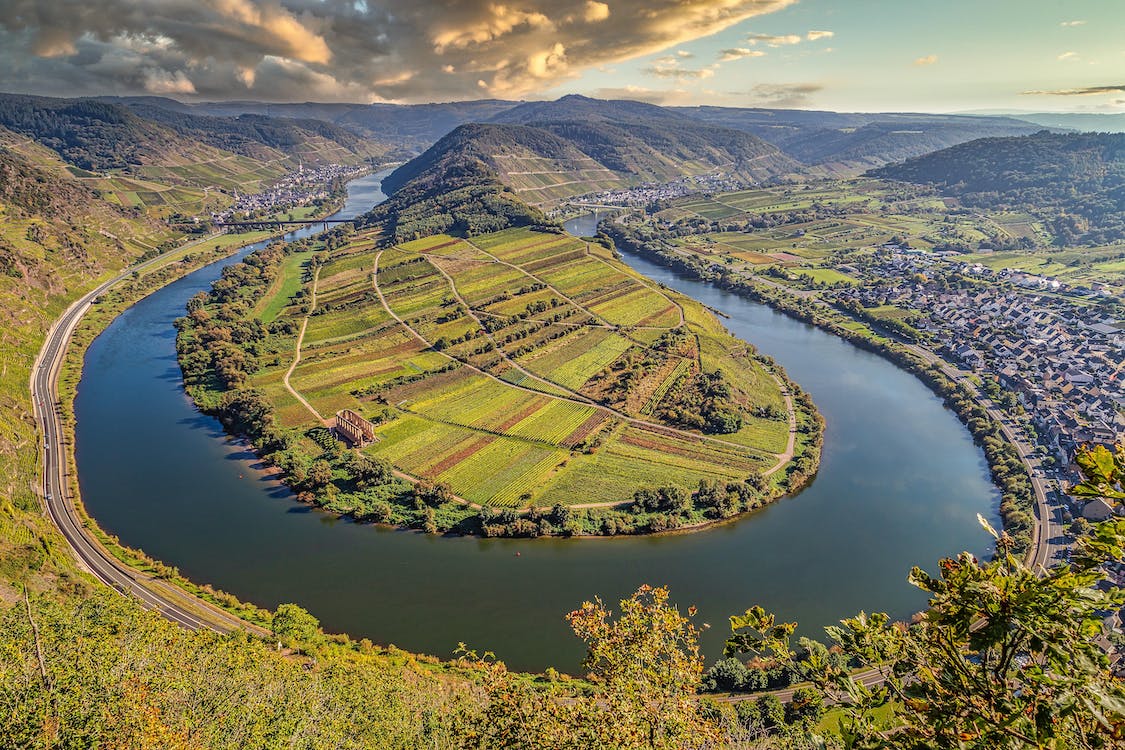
x=502, y=409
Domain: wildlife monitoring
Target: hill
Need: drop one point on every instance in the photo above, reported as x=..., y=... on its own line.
x=642, y=142
x=1075, y=180
x=412, y=126
x=546, y=152
x=99, y=135
x=850, y=141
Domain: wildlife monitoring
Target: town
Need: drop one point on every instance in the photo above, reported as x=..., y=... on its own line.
x=1041, y=340
x=299, y=188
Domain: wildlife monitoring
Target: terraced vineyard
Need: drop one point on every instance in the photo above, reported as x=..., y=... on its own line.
x=522, y=368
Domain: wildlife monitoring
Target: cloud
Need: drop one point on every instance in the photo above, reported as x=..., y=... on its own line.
x=737, y=53
x=783, y=95
x=1086, y=91
x=926, y=60
x=813, y=36
x=343, y=49
x=1073, y=23
x=162, y=82
x=774, y=40
x=595, y=11
x=1067, y=56
x=671, y=72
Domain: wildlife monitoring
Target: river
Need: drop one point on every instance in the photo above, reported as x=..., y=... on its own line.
x=900, y=484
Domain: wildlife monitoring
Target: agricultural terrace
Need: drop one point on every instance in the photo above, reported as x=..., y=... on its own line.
x=522, y=368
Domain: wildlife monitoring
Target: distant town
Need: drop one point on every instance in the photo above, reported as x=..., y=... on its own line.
x=298, y=188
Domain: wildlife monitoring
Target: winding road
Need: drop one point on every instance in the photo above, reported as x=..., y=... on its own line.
x=154, y=593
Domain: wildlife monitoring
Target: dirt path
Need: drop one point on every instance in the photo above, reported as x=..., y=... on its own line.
x=613, y=412
x=297, y=358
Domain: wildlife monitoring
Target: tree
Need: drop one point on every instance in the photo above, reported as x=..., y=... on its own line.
x=320, y=474
x=1005, y=657
x=645, y=667
x=294, y=627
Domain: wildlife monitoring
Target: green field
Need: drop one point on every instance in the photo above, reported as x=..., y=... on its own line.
x=496, y=365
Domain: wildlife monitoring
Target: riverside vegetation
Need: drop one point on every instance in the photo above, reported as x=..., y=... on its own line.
x=523, y=383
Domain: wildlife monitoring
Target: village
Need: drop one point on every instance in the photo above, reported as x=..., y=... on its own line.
x=1050, y=345
x=657, y=192
x=298, y=188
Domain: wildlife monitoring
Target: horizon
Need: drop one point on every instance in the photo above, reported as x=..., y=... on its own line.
x=873, y=56
x=193, y=102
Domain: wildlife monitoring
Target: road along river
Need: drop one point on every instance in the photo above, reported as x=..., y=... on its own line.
x=900, y=483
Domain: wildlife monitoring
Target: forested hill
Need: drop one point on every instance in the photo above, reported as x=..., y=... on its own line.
x=98, y=135
x=644, y=142
x=549, y=151
x=315, y=141
x=849, y=141
x=1078, y=180
x=455, y=186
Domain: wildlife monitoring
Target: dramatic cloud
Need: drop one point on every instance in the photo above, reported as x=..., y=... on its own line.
x=344, y=49
x=737, y=53
x=783, y=94
x=927, y=60
x=1085, y=91
x=813, y=36
x=774, y=40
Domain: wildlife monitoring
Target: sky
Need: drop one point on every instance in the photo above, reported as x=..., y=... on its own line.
x=844, y=55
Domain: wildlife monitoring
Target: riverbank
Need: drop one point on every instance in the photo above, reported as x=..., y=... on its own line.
x=1018, y=506
x=156, y=584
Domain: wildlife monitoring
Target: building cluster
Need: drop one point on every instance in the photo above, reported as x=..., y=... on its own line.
x=1058, y=353
x=298, y=188
x=653, y=192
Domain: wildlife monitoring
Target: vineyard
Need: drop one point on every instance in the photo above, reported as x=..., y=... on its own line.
x=522, y=368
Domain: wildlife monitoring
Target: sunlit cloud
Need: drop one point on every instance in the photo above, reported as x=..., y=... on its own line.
x=737, y=53
x=774, y=40
x=926, y=60
x=394, y=50
x=1073, y=23
x=1065, y=56
x=813, y=36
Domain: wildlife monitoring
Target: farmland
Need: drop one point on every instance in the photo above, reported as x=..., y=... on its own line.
x=520, y=369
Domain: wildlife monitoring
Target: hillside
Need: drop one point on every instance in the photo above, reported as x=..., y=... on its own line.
x=312, y=141
x=1077, y=180
x=642, y=142
x=610, y=145
x=842, y=141
x=98, y=135
x=408, y=126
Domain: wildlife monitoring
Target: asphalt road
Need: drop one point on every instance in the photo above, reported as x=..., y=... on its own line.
x=155, y=594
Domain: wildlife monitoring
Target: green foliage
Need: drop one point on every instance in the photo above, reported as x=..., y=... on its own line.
x=1078, y=177
x=105, y=673
x=1003, y=658
x=294, y=627
x=1103, y=472
x=644, y=665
